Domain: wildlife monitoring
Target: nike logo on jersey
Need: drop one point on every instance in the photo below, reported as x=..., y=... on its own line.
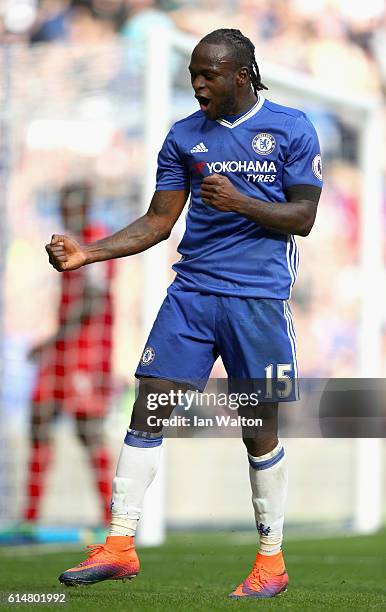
x=200, y=148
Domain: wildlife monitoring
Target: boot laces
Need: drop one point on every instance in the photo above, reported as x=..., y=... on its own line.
x=94, y=549
x=258, y=577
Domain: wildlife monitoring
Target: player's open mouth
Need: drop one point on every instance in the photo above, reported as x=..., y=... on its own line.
x=203, y=102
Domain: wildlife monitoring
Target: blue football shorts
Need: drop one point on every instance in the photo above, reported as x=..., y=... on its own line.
x=254, y=337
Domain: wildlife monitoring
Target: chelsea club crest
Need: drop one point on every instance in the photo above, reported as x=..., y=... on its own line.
x=263, y=143
x=317, y=167
x=148, y=356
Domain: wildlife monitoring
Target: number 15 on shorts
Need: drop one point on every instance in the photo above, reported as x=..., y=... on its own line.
x=282, y=379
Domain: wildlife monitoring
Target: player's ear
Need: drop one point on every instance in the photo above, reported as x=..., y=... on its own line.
x=242, y=76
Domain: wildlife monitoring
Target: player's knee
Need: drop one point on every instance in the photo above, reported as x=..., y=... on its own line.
x=148, y=410
x=89, y=431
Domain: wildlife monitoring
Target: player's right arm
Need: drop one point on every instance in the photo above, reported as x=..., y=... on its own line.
x=150, y=229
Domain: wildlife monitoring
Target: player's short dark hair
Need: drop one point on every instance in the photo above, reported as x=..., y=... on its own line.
x=243, y=52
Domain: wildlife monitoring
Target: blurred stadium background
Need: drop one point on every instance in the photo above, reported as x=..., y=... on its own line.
x=88, y=90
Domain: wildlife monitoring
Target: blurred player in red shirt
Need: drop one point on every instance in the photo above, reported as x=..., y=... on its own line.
x=74, y=373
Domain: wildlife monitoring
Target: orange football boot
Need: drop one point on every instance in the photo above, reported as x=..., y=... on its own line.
x=115, y=560
x=268, y=578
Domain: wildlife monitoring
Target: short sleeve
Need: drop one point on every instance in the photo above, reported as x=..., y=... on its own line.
x=172, y=172
x=303, y=165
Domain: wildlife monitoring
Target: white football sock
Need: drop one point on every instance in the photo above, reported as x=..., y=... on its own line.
x=137, y=466
x=268, y=475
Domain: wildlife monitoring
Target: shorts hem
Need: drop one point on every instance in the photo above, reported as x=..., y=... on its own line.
x=192, y=386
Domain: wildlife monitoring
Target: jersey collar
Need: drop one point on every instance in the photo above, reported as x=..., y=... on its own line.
x=252, y=111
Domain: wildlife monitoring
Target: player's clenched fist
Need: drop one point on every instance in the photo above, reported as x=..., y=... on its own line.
x=218, y=191
x=65, y=253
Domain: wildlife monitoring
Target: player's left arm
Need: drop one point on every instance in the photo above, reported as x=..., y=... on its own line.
x=295, y=216
x=301, y=185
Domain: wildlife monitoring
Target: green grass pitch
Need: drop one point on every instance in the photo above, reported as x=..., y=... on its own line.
x=197, y=571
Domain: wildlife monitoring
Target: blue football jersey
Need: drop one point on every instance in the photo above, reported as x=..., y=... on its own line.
x=262, y=152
